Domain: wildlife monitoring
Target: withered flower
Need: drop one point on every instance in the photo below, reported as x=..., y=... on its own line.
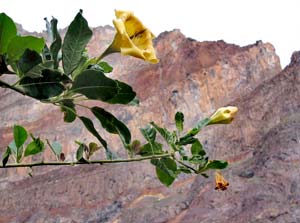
x=221, y=183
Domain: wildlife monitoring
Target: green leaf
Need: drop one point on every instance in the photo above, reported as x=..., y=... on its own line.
x=166, y=170
x=19, y=44
x=90, y=127
x=56, y=44
x=179, y=119
x=93, y=147
x=8, y=31
x=150, y=149
x=46, y=53
x=95, y=85
x=79, y=153
x=198, y=127
x=112, y=124
x=216, y=164
x=47, y=86
x=185, y=140
x=28, y=60
x=82, y=64
x=199, y=160
x=125, y=94
x=56, y=148
x=5, y=156
x=149, y=133
x=37, y=71
x=35, y=147
x=13, y=148
x=197, y=149
x=75, y=41
x=106, y=68
x=20, y=135
x=68, y=108
x=3, y=66
x=168, y=136
x=189, y=137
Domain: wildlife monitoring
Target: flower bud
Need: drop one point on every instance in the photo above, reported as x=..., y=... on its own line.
x=223, y=115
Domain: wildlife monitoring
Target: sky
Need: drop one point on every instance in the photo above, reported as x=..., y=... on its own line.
x=241, y=22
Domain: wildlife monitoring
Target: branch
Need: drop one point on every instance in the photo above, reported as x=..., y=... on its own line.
x=71, y=163
x=6, y=85
x=187, y=166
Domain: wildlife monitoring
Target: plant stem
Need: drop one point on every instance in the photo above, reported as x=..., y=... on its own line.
x=187, y=166
x=84, y=106
x=108, y=51
x=6, y=85
x=72, y=163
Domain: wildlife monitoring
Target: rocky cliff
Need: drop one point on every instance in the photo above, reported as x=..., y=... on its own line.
x=262, y=144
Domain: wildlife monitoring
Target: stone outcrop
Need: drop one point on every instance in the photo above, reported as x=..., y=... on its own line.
x=262, y=144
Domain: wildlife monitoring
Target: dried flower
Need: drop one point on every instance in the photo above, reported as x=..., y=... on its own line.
x=221, y=183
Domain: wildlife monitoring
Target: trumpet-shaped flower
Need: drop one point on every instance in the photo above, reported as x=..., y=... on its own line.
x=132, y=38
x=221, y=183
x=223, y=115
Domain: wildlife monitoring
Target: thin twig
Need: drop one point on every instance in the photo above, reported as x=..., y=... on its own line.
x=187, y=166
x=73, y=163
x=6, y=85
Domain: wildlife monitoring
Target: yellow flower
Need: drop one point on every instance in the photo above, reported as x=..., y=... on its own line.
x=223, y=115
x=221, y=183
x=132, y=38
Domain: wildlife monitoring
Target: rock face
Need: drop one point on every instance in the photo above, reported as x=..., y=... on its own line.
x=262, y=144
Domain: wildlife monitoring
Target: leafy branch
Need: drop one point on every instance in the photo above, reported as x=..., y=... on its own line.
x=60, y=72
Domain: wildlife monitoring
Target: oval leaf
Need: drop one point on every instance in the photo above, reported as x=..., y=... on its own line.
x=20, y=135
x=68, y=108
x=56, y=148
x=8, y=31
x=124, y=95
x=179, y=119
x=197, y=149
x=5, y=156
x=106, y=68
x=112, y=124
x=29, y=59
x=47, y=86
x=90, y=127
x=168, y=136
x=19, y=44
x=166, y=170
x=75, y=41
x=95, y=85
x=35, y=147
x=216, y=164
x=149, y=133
x=80, y=152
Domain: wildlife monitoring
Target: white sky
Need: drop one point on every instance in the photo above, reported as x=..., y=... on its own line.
x=241, y=22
